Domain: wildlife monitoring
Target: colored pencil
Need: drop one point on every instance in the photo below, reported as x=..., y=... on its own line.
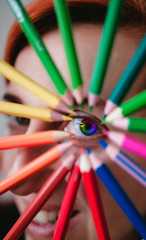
x=127, y=78
x=68, y=203
x=42, y=196
x=118, y=193
x=104, y=51
x=131, y=105
x=33, y=139
x=93, y=196
x=36, y=42
x=130, y=124
x=125, y=162
x=42, y=93
x=35, y=166
x=26, y=111
x=64, y=23
x=127, y=142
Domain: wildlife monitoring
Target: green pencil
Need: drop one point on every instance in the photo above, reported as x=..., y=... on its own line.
x=104, y=52
x=38, y=45
x=127, y=77
x=128, y=107
x=130, y=124
x=65, y=27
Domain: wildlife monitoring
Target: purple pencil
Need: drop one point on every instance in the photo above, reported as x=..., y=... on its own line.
x=127, y=142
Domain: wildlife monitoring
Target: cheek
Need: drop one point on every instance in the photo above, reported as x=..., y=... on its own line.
x=8, y=160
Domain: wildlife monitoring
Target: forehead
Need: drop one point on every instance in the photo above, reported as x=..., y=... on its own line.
x=87, y=39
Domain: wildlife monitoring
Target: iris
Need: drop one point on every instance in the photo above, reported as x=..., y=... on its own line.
x=88, y=127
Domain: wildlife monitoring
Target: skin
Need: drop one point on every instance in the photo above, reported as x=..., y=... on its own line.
x=27, y=62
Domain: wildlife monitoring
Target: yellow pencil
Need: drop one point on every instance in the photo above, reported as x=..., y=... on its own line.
x=25, y=111
x=22, y=80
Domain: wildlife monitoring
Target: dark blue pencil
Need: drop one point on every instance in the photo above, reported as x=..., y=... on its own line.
x=118, y=193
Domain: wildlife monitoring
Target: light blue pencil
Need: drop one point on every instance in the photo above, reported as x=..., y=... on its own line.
x=118, y=193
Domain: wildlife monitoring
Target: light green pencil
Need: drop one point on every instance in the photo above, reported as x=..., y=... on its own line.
x=104, y=51
x=38, y=45
x=132, y=105
x=130, y=124
x=65, y=27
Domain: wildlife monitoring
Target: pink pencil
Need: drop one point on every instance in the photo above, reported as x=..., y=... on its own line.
x=68, y=203
x=41, y=197
x=127, y=142
x=93, y=196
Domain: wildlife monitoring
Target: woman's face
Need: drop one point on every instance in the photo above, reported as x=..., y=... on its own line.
x=81, y=226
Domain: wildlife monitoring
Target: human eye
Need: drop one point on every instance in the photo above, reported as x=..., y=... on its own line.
x=17, y=125
x=86, y=128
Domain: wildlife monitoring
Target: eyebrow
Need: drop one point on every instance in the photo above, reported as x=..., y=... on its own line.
x=11, y=98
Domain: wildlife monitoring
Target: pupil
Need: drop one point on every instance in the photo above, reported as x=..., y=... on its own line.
x=88, y=126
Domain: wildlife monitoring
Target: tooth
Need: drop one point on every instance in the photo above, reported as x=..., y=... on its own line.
x=52, y=216
x=42, y=217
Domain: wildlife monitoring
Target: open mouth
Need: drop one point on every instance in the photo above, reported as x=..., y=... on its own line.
x=44, y=224
x=45, y=217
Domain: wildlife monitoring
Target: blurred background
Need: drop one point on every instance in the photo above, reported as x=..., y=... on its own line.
x=8, y=211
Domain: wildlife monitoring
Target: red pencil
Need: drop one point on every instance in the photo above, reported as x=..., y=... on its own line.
x=35, y=166
x=93, y=196
x=67, y=203
x=33, y=139
x=41, y=197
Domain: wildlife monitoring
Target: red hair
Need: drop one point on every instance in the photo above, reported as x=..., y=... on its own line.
x=81, y=11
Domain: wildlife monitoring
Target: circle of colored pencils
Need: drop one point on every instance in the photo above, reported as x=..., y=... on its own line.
x=42, y=93
x=125, y=162
x=127, y=78
x=104, y=51
x=68, y=203
x=131, y=105
x=21, y=110
x=130, y=124
x=42, y=196
x=65, y=27
x=39, y=47
x=93, y=196
x=33, y=139
x=35, y=166
x=118, y=193
x=127, y=142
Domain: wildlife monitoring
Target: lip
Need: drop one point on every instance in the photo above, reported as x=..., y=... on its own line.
x=46, y=231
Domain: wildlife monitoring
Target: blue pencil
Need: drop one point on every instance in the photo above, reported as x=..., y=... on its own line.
x=118, y=193
x=125, y=162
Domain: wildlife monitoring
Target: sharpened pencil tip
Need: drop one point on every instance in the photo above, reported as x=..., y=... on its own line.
x=88, y=150
x=90, y=109
x=102, y=143
x=73, y=106
x=105, y=132
x=81, y=105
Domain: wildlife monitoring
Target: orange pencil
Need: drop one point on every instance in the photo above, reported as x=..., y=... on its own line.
x=42, y=196
x=93, y=196
x=33, y=139
x=35, y=166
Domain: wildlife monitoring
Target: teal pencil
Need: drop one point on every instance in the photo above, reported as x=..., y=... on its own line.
x=131, y=105
x=104, y=52
x=65, y=27
x=130, y=124
x=127, y=78
x=39, y=47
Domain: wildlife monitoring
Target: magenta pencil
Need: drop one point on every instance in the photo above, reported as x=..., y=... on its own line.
x=42, y=196
x=127, y=142
x=93, y=196
x=68, y=203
